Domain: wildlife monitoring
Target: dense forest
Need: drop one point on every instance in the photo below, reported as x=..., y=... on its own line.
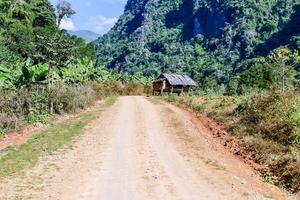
x=45, y=70
x=213, y=41
x=29, y=32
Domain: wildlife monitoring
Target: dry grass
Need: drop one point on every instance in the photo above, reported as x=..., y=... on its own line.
x=268, y=124
x=31, y=105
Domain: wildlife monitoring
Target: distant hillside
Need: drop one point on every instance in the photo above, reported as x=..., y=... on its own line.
x=88, y=36
x=204, y=38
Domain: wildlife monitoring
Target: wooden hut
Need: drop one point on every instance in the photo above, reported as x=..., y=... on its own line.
x=172, y=83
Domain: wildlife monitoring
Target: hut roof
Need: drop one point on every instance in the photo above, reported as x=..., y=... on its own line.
x=177, y=79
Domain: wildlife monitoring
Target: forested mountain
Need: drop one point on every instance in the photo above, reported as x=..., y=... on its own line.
x=209, y=39
x=88, y=36
x=28, y=30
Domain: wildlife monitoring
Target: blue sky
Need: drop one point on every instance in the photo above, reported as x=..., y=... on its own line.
x=95, y=15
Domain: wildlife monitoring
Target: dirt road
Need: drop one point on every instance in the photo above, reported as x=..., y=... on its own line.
x=140, y=149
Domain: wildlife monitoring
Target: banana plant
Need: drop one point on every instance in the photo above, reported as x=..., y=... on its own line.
x=140, y=78
x=23, y=74
x=6, y=79
x=114, y=76
x=33, y=74
x=79, y=73
x=103, y=75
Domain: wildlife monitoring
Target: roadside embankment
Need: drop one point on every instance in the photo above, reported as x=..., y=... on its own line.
x=262, y=129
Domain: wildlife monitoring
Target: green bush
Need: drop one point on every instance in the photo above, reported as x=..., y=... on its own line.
x=274, y=115
x=171, y=98
x=198, y=107
x=38, y=110
x=1, y=131
x=294, y=116
x=14, y=107
x=272, y=128
x=30, y=105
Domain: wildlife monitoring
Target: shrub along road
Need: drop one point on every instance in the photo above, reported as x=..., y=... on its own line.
x=140, y=149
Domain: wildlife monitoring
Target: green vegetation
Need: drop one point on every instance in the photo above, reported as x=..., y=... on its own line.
x=110, y=101
x=269, y=178
x=274, y=116
x=30, y=105
x=247, y=50
x=45, y=71
x=28, y=29
x=267, y=124
x=215, y=42
x=15, y=159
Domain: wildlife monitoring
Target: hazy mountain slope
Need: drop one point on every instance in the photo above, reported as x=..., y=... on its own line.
x=88, y=36
x=201, y=37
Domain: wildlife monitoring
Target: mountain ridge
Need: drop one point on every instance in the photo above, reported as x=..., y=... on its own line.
x=203, y=38
x=87, y=35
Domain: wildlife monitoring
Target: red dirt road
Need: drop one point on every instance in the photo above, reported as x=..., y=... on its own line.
x=141, y=149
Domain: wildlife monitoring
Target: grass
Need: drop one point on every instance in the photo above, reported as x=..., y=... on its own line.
x=13, y=160
x=110, y=101
x=268, y=125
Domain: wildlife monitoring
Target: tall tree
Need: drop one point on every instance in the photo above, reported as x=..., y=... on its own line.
x=57, y=49
x=284, y=62
x=63, y=9
x=44, y=14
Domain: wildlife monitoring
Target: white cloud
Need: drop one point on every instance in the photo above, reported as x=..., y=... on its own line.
x=67, y=24
x=102, y=24
x=106, y=21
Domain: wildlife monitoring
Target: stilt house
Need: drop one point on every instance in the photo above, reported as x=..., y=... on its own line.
x=172, y=83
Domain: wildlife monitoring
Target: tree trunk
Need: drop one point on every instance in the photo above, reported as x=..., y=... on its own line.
x=283, y=78
x=50, y=89
x=59, y=19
